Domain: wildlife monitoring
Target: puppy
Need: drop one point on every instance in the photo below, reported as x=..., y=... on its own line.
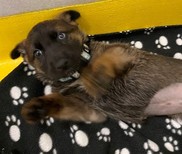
x=93, y=80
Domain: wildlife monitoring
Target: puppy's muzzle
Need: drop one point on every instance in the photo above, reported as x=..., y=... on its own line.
x=62, y=64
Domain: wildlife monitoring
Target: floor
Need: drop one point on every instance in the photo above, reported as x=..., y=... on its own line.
x=10, y=7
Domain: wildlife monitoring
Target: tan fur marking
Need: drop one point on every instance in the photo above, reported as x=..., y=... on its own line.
x=113, y=60
x=96, y=78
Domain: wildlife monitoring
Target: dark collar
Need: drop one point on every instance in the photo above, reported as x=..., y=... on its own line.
x=85, y=58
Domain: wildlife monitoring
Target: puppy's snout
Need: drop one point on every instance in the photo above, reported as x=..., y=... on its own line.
x=62, y=64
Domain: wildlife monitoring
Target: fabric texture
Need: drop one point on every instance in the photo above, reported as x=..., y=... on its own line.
x=157, y=135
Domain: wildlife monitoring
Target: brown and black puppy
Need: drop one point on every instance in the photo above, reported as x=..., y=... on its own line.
x=97, y=80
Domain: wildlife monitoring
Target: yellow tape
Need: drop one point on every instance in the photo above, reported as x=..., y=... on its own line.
x=98, y=17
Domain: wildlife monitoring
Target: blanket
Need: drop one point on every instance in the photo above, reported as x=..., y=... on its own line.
x=157, y=135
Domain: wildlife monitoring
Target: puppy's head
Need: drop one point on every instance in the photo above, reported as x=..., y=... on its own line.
x=53, y=47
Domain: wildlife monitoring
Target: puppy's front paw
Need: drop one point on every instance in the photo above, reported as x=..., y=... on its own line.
x=38, y=108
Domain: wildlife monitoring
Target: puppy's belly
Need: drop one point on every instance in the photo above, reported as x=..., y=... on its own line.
x=167, y=101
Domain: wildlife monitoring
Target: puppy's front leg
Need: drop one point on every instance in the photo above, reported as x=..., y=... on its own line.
x=61, y=107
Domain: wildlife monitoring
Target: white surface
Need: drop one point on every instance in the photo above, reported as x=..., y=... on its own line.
x=9, y=7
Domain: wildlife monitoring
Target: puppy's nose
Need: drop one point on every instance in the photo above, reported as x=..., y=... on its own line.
x=62, y=64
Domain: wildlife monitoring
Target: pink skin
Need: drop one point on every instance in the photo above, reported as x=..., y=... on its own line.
x=167, y=101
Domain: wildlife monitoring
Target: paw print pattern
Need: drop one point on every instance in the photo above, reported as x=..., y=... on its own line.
x=162, y=42
x=46, y=144
x=48, y=121
x=151, y=147
x=127, y=130
x=179, y=120
x=148, y=31
x=174, y=126
x=104, y=134
x=125, y=32
x=122, y=151
x=153, y=53
x=135, y=125
x=179, y=40
x=136, y=44
x=106, y=42
x=30, y=70
x=14, y=131
x=178, y=55
x=78, y=136
x=170, y=144
x=18, y=94
x=47, y=90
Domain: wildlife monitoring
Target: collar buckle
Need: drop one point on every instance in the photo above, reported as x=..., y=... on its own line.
x=86, y=52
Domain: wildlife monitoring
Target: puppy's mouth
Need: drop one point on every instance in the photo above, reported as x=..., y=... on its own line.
x=75, y=74
x=65, y=75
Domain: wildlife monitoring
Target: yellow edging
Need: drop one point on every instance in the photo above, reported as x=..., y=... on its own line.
x=7, y=66
x=98, y=17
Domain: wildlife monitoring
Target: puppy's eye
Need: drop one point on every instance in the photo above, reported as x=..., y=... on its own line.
x=61, y=36
x=37, y=53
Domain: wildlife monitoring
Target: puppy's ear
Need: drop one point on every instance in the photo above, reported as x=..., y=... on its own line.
x=70, y=16
x=18, y=50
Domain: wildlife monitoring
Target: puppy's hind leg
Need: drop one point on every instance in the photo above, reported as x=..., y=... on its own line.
x=70, y=107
